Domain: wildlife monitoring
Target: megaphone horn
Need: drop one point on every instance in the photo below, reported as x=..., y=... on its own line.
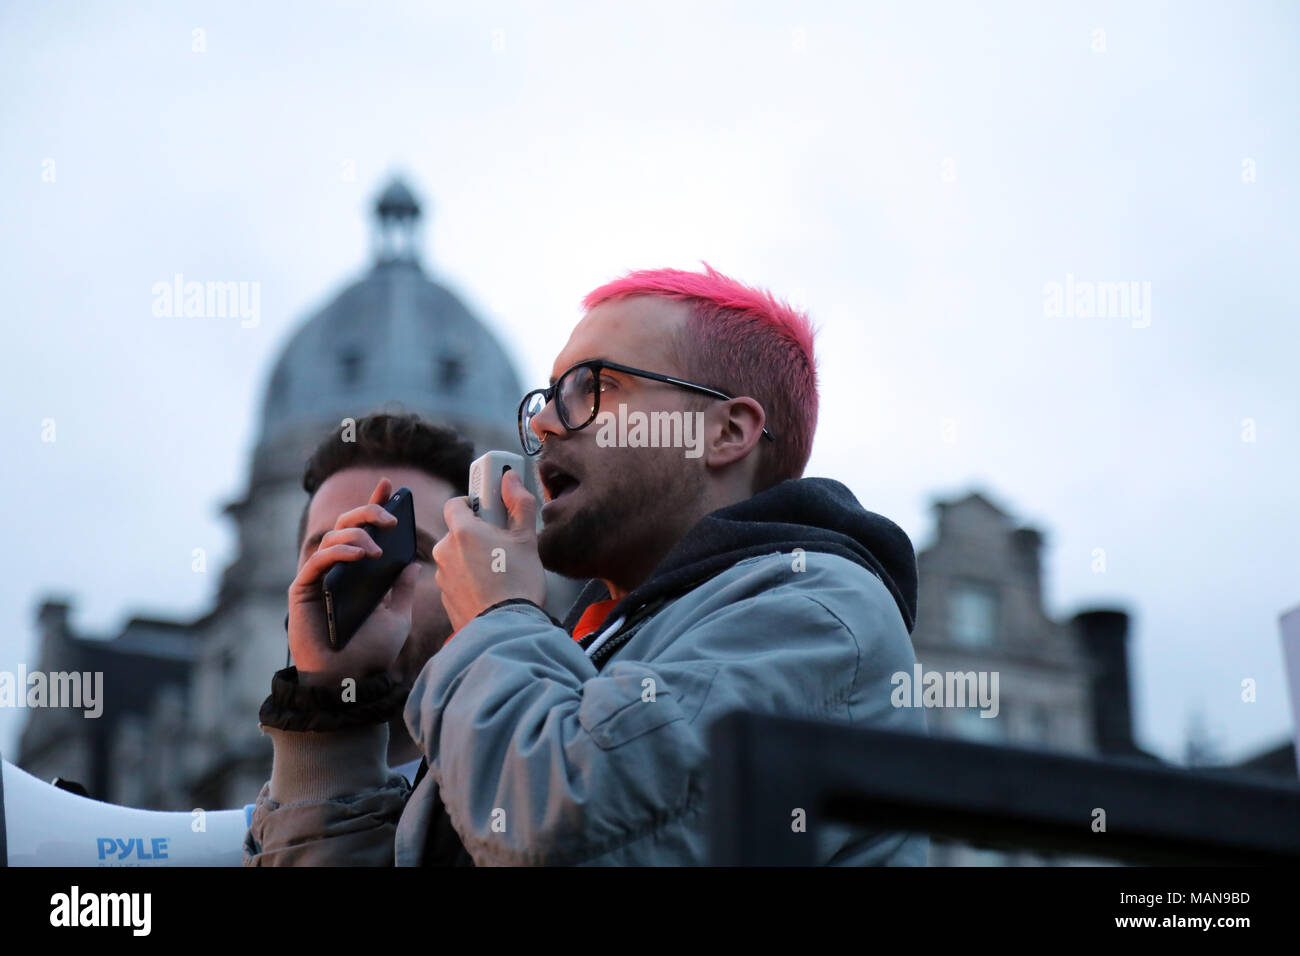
x=43, y=825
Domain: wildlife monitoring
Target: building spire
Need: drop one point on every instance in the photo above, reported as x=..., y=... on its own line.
x=398, y=215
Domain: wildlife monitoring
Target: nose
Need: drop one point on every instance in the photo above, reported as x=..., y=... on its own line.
x=547, y=421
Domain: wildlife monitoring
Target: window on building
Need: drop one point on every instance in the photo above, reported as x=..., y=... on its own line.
x=1040, y=725
x=451, y=372
x=972, y=613
x=350, y=366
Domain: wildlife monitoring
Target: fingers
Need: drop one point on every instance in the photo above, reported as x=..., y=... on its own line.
x=373, y=512
x=383, y=491
x=325, y=558
x=357, y=537
x=367, y=514
x=519, y=502
x=456, y=512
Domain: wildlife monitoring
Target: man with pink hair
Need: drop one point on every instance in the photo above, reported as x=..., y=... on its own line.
x=671, y=443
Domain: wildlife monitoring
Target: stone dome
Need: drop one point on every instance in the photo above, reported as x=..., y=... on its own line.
x=393, y=339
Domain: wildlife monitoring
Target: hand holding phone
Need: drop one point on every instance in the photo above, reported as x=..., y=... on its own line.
x=353, y=590
x=381, y=635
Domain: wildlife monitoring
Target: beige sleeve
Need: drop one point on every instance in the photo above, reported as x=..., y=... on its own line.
x=331, y=801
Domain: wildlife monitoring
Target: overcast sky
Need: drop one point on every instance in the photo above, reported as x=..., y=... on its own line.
x=916, y=175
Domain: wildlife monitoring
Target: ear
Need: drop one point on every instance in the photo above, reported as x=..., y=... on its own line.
x=733, y=429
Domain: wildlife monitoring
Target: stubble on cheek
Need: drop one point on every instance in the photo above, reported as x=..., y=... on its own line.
x=595, y=539
x=574, y=547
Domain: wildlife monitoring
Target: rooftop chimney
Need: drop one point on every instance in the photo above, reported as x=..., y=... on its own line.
x=1103, y=635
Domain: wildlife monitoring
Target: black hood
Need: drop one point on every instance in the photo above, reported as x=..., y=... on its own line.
x=816, y=514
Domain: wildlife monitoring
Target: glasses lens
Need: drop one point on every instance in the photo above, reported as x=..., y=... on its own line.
x=577, y=397
x=531, y=408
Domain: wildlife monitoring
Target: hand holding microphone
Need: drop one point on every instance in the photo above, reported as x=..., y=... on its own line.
x=486, y=474
x=490, y=551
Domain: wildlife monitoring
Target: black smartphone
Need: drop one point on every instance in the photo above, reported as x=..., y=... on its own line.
x=354, y=589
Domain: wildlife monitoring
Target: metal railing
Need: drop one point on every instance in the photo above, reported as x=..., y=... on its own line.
x=763, y=767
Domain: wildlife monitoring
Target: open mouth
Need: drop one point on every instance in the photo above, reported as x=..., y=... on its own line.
x=556, y=482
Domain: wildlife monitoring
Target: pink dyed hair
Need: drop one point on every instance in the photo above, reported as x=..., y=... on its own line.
x=745, y=342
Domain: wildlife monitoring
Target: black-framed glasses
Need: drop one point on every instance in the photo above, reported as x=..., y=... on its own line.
x=577, y=398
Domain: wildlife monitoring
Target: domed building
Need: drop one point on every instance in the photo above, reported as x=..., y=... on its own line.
x=394, y=339
x=394, y=336
x=186, y=735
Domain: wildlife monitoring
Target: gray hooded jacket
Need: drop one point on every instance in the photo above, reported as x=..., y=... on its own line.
x=544, y=750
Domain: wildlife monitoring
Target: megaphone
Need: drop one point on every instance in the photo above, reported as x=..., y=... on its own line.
x=43, y=825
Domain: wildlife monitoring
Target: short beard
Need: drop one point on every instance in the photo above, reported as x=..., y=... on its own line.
x=596, y=540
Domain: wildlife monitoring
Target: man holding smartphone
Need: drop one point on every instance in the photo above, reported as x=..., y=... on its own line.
x=723, y=580
x=343, y=478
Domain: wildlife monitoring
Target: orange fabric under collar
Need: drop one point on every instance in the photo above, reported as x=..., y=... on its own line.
x=592, y=618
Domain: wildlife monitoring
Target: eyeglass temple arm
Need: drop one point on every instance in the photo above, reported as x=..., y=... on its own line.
x=707, y=391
